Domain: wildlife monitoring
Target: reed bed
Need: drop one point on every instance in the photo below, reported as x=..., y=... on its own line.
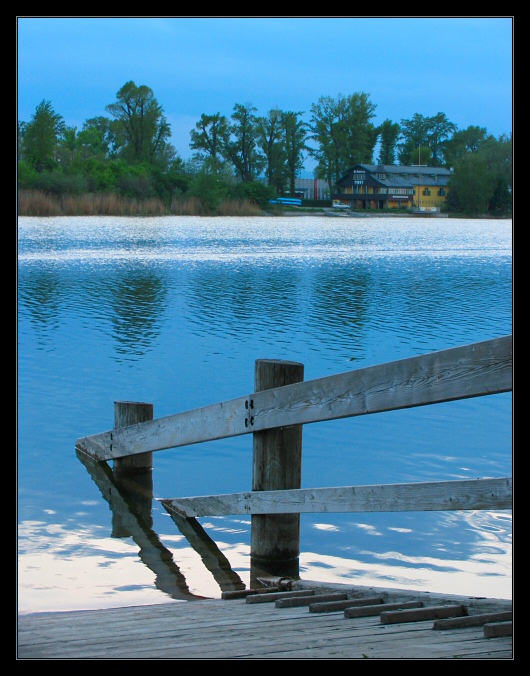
x=37, y=203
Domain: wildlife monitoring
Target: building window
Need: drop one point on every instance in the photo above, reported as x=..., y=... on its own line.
x=427, y=192
x=441, y=192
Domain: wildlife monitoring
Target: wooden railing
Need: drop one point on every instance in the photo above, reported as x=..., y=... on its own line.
x=275, y=416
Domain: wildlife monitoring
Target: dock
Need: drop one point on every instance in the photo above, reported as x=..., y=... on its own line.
x=301, y=621
x=285, y=617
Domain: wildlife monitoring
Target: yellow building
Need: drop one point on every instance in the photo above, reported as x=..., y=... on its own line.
x=384, y=186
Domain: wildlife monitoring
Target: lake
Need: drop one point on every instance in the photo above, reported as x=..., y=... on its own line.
x=175, y=311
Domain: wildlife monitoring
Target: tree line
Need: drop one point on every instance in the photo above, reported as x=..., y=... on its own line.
x=251, y=157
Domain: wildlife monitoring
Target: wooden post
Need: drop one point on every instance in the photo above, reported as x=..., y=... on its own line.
x=133, y=474
x=277, y=465
x=130, y=413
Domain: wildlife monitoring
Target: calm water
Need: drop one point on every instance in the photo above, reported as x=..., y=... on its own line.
x=175, y=311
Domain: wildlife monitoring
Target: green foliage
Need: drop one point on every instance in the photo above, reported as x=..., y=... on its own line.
x=141, y=130
x=388, y=136
x=26, y=175
x=344, y=134
x=209, y=189
x=130, y=156
x=421, y=156
x=137, y=182
x=57, y=183
x=472, y=184
x=501, y=200
x=102, y=176
x=425, y=132
x=241, y=147
x=255, y=192
x=41, y=137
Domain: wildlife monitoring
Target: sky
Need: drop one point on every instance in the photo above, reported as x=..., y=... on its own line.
x=459, y=66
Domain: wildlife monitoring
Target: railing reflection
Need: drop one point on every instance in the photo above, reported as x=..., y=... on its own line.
x=130, y=498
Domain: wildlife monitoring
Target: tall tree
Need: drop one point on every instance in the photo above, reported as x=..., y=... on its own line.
x=344, y=134
x=241, y=145
x=388, y=137
x=462, y=142
x=325, y=132
x=270, y=141
x=294, y=141
x=472, y=184
x=41, y=137
x=208, y=139
x=97, y=139
x=140, y=124
x=429, y=132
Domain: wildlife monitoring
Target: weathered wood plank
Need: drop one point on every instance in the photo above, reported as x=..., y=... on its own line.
x=472, y=620
x=469, y=371
x=429, y=496
x=331, y=606
x=447, y=375
x=217, y=629
x=420, y=614
x=364, y=611
x=495, y=629
x=217, y=421
x=269, y=598
x=243, y=593
x=300, y=601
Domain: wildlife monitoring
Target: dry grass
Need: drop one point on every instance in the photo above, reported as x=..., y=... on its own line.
x=36, y=203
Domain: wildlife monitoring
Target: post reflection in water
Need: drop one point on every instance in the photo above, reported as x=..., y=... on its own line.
x=130, y=499
x=175, y=311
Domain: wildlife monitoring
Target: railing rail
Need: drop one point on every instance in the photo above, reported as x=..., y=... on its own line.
x=275, y=415
x=473, y=370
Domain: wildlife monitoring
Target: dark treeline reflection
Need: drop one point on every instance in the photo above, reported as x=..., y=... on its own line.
x=244, y=300
x=39, y=293
x=127, y=303
x=138, y=301
x=334, y=304
x=341, y=299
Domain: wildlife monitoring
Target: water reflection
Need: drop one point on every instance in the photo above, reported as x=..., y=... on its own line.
x=40, y=295
x=175, y=311
x=130, y=497
x=138, y=301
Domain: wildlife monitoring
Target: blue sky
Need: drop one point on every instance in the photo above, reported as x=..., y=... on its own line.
x=460, y=66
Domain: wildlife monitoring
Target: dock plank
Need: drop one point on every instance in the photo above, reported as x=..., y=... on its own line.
x=235, y=629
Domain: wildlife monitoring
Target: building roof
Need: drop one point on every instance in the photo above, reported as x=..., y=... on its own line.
x=401, y=176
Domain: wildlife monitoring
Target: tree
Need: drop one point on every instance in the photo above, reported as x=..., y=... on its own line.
x=325, y=132
x=294, y=141
x=141, y=129
x=462, y=142
x=388, y=135
x=241, y=145
x=208, y=139
x=270, y=141
x=430, y=132
x=68, y=147
x=97, y=139
x=344, y=134
x=41, y=137
x=472, y=184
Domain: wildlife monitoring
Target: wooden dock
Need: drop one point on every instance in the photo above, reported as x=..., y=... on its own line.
x=301, y=621
x=357, y=622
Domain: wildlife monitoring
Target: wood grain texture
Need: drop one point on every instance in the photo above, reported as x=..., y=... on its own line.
x=469, y=371
x=415, y=497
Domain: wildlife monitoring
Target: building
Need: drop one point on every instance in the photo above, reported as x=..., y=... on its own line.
x=384, y=186
x=312, y=189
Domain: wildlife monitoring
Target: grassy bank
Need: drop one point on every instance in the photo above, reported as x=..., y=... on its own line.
x=36, y=203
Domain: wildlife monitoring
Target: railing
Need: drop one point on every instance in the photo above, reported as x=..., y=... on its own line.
x=275, y=413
